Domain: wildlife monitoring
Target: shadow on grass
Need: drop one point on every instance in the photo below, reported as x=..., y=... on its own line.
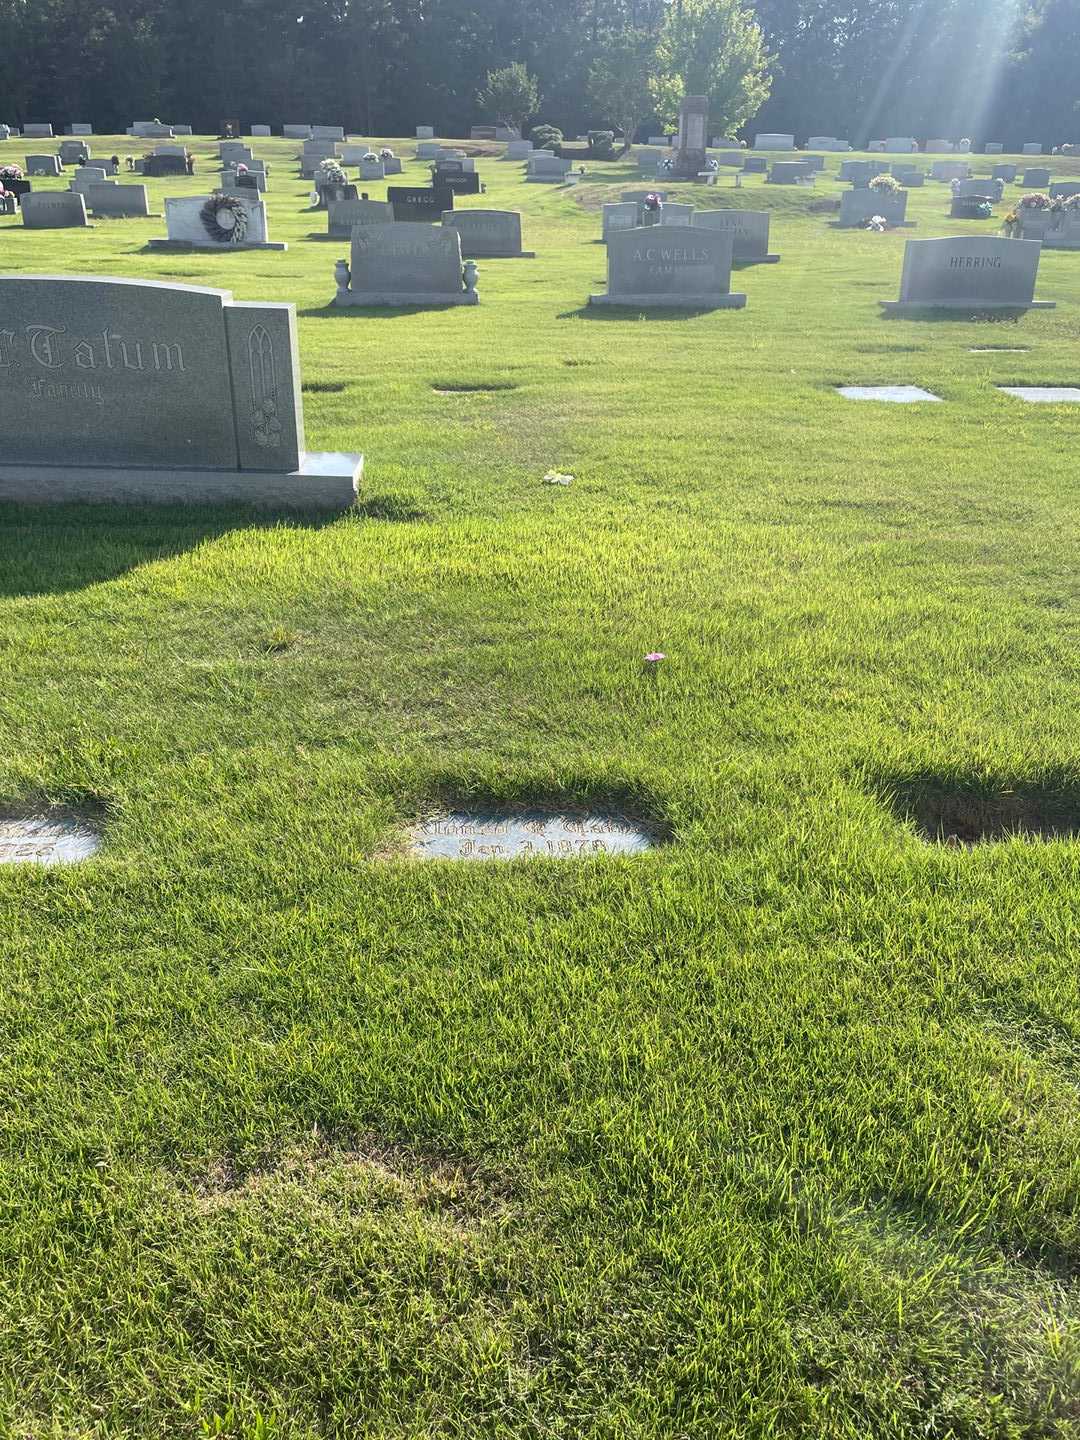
x=625, y=312
x=971, y=809
x=371, y=312
x=927, y=314
x=57, y=549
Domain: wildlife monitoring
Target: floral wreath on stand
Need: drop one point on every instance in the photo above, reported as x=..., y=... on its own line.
x=224, y=218
x=10, y=172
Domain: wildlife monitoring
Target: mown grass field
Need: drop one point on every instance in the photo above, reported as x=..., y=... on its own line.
x=772, y=1132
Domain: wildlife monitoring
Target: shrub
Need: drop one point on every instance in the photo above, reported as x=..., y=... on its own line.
x=602, y=144
x=546, y=137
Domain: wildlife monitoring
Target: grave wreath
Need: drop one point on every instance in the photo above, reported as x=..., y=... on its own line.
x=224, y=218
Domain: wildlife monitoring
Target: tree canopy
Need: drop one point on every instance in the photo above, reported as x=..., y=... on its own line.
x=999, y=69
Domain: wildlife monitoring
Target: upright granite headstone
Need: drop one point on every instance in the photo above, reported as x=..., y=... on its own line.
x=1006, y=173
x=425, y=132
x=749, y=231
x=37, y=132
x=112, y=201
x=488, y=234
x=690, y=156
x=774, y=142
x=216, y=222
x=405, y=264
x=518, y=150
x=81, y=129
x=43, y=165
x=53, y=210
x=261, y=132
x=993, y=147
x=85, y=176
x=790, y=172
x=343, y=215
x=136, y=390
x=1037, y=178
x=419, y=202
x=74, y=152
x=546, y=169
x=1032, y=148
x=652, y=267
x=327, y=132
x=296, y=132
x=622, y=215
x=973, y=273
x=859, y=206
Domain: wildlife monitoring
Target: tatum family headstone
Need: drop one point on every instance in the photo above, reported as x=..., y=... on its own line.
x=974, y=273
x=137, y=390
x=405, y=264
x=653, y=267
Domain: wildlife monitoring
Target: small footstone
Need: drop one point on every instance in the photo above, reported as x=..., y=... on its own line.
x=46, y=840
x=1043, y=394
x=891, y=394
x=492, y=835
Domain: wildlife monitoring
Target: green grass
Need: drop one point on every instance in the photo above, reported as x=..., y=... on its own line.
x=770, y=1133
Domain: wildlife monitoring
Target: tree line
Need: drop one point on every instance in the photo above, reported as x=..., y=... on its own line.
x=998, y=69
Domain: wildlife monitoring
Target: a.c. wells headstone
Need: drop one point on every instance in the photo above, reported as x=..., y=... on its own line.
x=132, y=390
x=405, y=264
x=661, y=267
x=974, y=273
x=488, y=234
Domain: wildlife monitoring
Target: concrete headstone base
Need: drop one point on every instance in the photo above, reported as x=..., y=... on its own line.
x=327, y=480
x=672, y=302
x=220, y=249
x=353, y=298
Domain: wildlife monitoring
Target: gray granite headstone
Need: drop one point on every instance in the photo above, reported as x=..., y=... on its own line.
x=261, y=132
x=425, y=132
x=1062, y=189
x=858, y=206
x=74, y=152
x=113, y=201
x=406, y=263
x=186, y=225
x=1037, y=178
x=327, y=132
x=655, y=267
x=790, y=172
x=1004, y=172
x=749, y=231
x=1032, y=148
x=43, y=165
x=342, y=215
x=621, y=215
x=37, y=132
x=53, y=210
x=974, y=273
x=545, y=168
x=126, y=388
x=488, y=234
x=993, y=147
x=85, y=176
x=774, y=142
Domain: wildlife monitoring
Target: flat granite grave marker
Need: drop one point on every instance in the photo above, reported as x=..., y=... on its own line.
x=969, y=272
x=135, y=390
x=216, y=222
x=53, y=210
x=406, y=263
x=651, y=267
x=343, y=215
x=536, y=834
x=749, y=231
x=488, y=234
x=888, y=394
x=1043, y=394
x=50, y=839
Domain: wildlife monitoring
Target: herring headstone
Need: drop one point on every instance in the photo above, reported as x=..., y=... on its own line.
x=972, y=273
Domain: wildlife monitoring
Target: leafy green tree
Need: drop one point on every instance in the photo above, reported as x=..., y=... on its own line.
x=511, y=94
x=621, y=80
x=713, y=48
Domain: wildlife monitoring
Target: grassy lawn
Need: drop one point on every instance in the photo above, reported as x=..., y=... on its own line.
x=772, y=1132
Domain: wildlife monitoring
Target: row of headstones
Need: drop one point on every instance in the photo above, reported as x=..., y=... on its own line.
x=894, y=145
x=749, y=229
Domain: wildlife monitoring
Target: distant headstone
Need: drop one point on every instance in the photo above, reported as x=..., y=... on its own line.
x=939, y=147
x=1037, y=178
x=622, y=215
x=343, y=215
x=518, y=150
x=749, y=231
x=774, y=142
x=652, y=267
x=676, y=214
x=690, y=156
x=81, y=129
x=233, y=182
x=1062, y=189
x=1032, y=148
x=859, y=172
x=427, y=150
x=216, y=222
x=74, y=152
x=37, y=132
x=993, y=147
x=327, y=132
x=755, y=165
x=425, y=132
x=948, y=170
x=235, y=152
x=971, y=273
x=296, y=132
x=372, y=170
x=43, y=165
x=546, y=169
x=419, y=202
x=901, y=145
x=162, y=392
x=858, y=206
x=261, y=132
x=53, y=210
x=110, y=201
x=1006, y=173
x=828, y=142
x=488, y=234
x=85, y=176
x=790, y=172
x=991, y=189
x=405, y=264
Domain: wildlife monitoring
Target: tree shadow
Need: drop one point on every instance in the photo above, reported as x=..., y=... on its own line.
x=57, y=549
x=629, y=311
